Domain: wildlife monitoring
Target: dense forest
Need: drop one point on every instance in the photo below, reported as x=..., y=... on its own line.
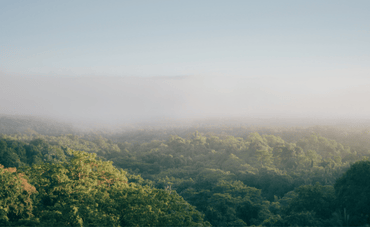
x=193, y=175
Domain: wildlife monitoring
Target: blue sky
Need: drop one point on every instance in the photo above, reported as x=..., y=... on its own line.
x=308, y=51
x=171, y=38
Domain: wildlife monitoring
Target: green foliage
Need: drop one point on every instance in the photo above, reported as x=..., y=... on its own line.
x=353, y=192
x=226, y=203
x=16, y=194
x=89, y=192
x=314, y=201
x=232, y=176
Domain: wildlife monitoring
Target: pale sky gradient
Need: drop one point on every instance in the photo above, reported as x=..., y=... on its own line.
x=88, y=59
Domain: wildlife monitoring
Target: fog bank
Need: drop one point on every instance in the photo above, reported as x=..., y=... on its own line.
x=129, y=99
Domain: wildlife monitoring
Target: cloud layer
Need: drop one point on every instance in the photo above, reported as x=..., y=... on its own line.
x=123, y=99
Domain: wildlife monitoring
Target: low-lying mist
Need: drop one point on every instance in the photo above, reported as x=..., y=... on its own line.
x=116, y=100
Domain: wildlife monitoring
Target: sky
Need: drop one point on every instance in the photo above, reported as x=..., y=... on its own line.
x=117, y=60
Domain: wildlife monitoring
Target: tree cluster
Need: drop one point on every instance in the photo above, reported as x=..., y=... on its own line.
x=305, y=179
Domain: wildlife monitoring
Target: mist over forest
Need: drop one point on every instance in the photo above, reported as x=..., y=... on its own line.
x=205, y=172
x=115, y=100
x=184, y=113
x=183, y=151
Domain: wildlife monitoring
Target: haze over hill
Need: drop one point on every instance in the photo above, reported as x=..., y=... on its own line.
x=119, y=62
x=132, y=99
x=184, y=113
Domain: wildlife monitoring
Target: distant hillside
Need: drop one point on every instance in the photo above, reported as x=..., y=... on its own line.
x=22, y=124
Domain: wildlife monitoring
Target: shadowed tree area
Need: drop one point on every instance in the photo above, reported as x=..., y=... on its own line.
x=353, y=192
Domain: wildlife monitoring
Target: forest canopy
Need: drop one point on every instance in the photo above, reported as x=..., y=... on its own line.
x=87, y=192
x=220, y=176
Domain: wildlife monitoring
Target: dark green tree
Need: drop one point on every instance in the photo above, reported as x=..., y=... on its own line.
x=353, y=192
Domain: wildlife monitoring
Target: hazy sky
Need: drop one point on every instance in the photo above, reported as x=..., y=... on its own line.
x=139, y=59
